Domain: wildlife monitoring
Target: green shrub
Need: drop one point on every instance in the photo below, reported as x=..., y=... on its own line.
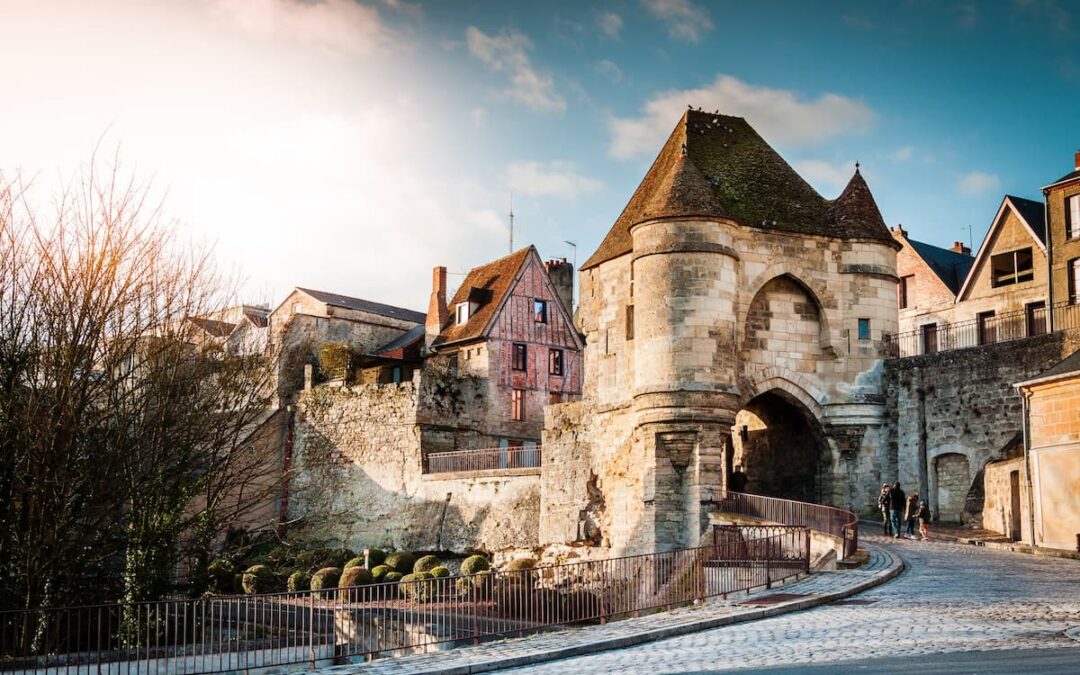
x=426, y=564
x=439, y=572
x=392, y=576
x=355, y=576
x=257, y=579
x=476, y=586
x=417, y=586
x=298, y=581
x=401, y=561
x=325, y=578
x=376, y=557
x=475, y=564
x=379, y=572
x=305, y=562
x=520, y=564
x=358, y=561
x=335, y=360
x=220, y=576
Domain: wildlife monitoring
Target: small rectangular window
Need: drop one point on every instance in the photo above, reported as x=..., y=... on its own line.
x=987, y=328
x=629, y=322
x=1074, y=281
x=555, y=362
x=1072, y=216
x=1013, y=267
x=864, y=329
x=904, y=291
x=520, y=357
x=540, y=311
x=517, y=412
x=461, y=313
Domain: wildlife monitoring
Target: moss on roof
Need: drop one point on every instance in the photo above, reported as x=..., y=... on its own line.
x=717, y=165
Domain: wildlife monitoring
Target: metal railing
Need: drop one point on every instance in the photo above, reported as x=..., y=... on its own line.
x=485, y=459
x=211, y=635
x=1006, y=327
x=827, y=519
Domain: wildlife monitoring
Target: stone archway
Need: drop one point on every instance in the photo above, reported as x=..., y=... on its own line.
x=781, y=448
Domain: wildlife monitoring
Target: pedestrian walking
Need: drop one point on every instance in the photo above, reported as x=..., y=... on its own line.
x=924, y=521
x=883, y=502
x=897, y=502
x=911, y=514
x=737, y=483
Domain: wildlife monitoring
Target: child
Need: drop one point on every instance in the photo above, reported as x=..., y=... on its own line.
x=910, y=514
x=883, y=506
x=924, y=520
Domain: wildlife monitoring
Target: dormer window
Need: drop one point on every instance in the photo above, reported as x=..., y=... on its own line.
x=461, y=313
x=1014, y=267
x=540, y=311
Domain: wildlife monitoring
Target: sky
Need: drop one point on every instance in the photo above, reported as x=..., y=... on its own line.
x=352, y=145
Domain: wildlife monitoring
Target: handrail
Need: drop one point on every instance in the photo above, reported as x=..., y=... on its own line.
x=833, y=521
x=484, y=459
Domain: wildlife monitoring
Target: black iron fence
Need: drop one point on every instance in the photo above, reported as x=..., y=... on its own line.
x=932, y=338
x=220, y=634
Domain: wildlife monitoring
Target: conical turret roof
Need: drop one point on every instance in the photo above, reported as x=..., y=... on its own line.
x=855, y=213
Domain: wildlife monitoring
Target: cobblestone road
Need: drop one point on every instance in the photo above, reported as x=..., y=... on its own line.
x=953, y=597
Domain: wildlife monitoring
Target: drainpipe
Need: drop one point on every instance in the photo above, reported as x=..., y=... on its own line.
x=1049, y=265
x=1024, y=404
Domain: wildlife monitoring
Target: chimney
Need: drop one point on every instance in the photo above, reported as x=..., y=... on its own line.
x=437, y=312
x=958, y=247
x=899, y=230
x=561, y=274
x=1076, y=160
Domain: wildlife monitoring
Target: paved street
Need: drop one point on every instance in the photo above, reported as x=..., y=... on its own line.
x=953, y=598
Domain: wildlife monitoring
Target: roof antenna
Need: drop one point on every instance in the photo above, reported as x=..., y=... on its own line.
x=511, y=222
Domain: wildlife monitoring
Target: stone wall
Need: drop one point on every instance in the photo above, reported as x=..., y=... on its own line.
x=959, y=402
x=359, y=479
x=1003, y=511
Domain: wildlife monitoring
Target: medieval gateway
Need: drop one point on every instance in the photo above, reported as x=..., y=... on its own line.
x=732, y=317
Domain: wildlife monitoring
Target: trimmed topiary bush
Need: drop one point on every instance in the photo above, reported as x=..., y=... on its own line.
x=257, y=579
x=392, y=576
x=417, y=586
x=220, y=576
x=401, y=561
x=326, y=578
x=476, y=587
x=520, y=564
x=426, y=564
x=358, y=561
x=439, y=572
x=355, y=576
x=298, y=581
x=475, y=564
x=375, y=557
x=379, y=572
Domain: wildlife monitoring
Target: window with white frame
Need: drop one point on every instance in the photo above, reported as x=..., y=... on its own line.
x=1072, y=217
x=461, y=313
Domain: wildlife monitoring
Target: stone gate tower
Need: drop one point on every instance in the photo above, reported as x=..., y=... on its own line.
x=733, y=316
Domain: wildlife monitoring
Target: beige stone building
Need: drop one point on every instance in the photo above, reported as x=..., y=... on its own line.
x=732, y=314
x=930, y=278
x=1063, y=207
x=1035, y=497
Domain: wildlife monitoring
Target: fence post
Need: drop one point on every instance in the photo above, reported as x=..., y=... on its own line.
x=807, y=551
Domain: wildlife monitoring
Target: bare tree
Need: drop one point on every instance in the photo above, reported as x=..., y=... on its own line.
x=124, y=432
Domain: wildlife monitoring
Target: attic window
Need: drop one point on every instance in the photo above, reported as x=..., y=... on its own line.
x=540, y=311
x=461, y=313
x=1013, y=267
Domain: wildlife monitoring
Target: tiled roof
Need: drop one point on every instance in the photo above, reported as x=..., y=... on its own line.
x=1033, y=213
x=213, y=327
x=487, y=284
x=360, y=305
x=258, y=318
x=717, y=165
x=949, y=266
x=1072, y=175
x=395, y=348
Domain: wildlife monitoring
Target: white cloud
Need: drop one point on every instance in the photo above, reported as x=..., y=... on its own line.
x=609, y=70
x=507, y=52
x=338, y=26
x=610, y=23
x=977, y=183
x=684, y=20
x=550, y=179
x=779, y=115
x=902, y=154
x=828, y=178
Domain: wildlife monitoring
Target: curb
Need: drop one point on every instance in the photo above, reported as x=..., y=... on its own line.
x=996, y=545
x=895, y=567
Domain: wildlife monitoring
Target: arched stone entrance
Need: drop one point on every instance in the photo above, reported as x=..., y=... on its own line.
x=780, y=447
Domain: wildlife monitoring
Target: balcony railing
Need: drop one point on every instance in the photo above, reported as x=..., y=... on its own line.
x=485, y=459
x=1006, y=327
x=839, y=523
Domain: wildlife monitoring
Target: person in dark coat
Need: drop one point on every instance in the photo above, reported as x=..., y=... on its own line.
x=911, y=514
x=883, y=504
x=897, y=503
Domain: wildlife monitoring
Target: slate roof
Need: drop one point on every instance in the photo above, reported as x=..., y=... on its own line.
x=396, y=347
x=488, y=285
x=717, y=165
x=949, y=266
x=1033, y=213
x=1071, y=176
x=213, y=327
x=360, y=305
x=259, y=319
x=1068, y=366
